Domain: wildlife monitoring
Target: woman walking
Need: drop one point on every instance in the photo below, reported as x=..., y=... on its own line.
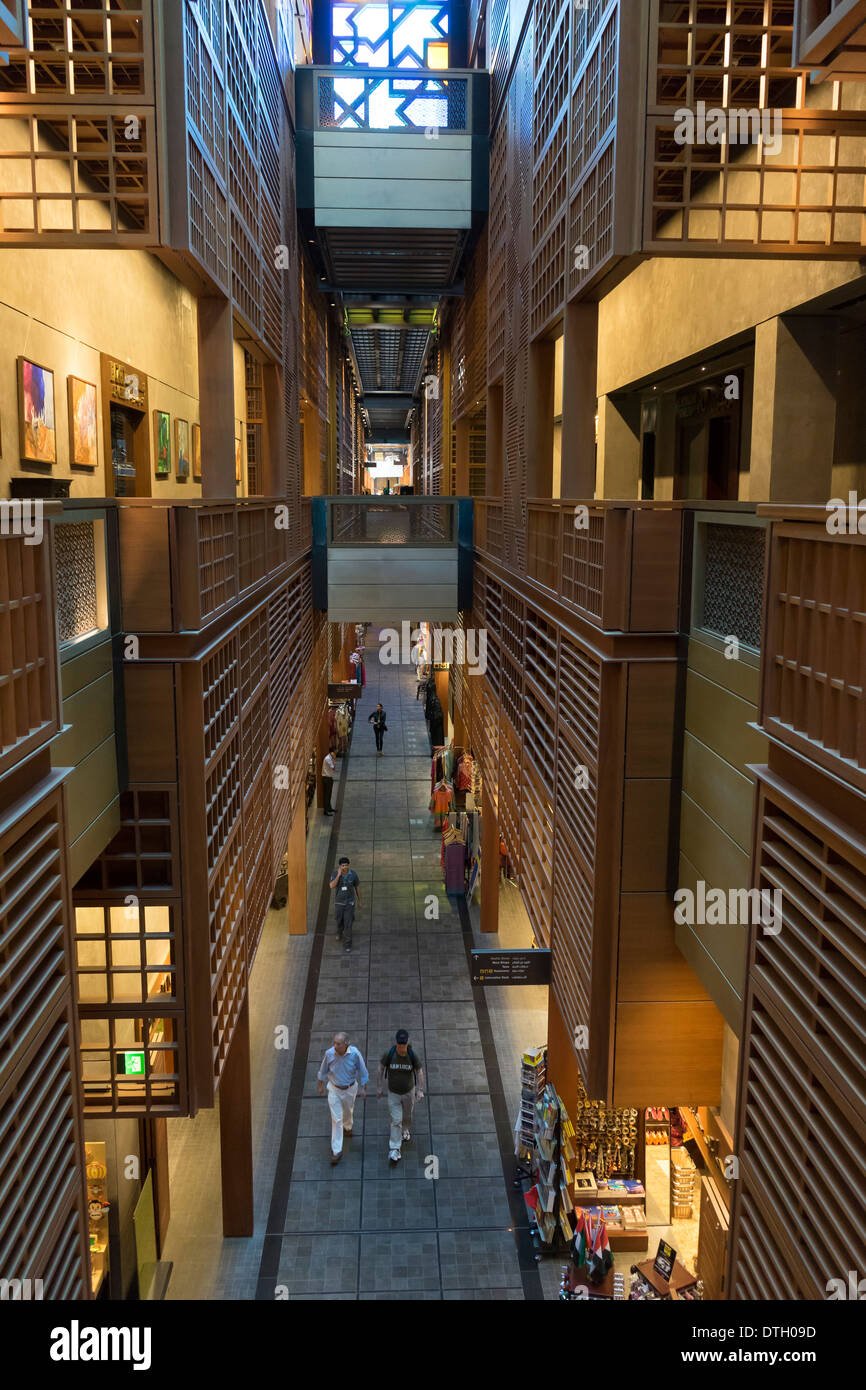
x=380, y=727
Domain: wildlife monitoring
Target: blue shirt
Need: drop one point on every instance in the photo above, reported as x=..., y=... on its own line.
x=345, y=1070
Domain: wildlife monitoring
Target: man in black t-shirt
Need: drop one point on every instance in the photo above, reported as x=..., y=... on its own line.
x=405, y=1084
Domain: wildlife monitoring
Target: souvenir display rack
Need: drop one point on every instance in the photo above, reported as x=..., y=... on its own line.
x=533, y=1079
x=550, y=1199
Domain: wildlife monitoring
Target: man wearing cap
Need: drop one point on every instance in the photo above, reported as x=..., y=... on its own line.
x=348, y=887
x=345, y=1071
x=405, y=1085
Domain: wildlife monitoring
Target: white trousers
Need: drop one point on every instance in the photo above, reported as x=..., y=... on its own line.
x=342, y=1107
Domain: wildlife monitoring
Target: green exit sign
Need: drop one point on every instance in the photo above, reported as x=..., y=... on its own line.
x=131, y=1063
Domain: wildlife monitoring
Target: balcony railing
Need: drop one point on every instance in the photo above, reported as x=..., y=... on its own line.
x=392, y=99
x=392, y=521
x=618, y=563
x=814, y=660
x=185, y=564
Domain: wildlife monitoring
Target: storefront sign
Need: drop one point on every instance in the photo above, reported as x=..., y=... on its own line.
x=347, y=690
x=511, y=967
x=131, y=1063
x=126, y=385
x=666, y=1258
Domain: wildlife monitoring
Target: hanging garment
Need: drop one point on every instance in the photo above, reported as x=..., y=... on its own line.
x=440, y=801
x=448, y=758
x=437, y=727
x=455, y=867
x=464, y=774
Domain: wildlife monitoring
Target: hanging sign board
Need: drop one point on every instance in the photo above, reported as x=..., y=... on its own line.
x=347, y=690
x=511, y=967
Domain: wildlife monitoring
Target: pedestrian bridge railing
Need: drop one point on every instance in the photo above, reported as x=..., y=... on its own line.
x=383, y=559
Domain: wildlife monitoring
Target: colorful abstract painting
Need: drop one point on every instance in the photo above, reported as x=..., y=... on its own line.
x=36, y=412
x=196, y=453
x=84, y=452
x=181, y=428
x=162, y=442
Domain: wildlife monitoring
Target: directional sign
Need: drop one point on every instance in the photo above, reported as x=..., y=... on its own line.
x=511, y=967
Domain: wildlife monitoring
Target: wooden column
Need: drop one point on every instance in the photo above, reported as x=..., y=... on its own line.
x=314, y=481
x=618, y=449
x=579, y=401
x=539, y=418
x=489, y=867
x=236, y=1132
x=275, y=474
x=216, y=380
x=323, y=743
x=297, y=872
x=459, y=730
x=461, y=482
x=495, y=440
x=794, y=410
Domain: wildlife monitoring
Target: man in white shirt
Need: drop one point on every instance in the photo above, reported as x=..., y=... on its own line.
x=329, y=767
x=345, y=1071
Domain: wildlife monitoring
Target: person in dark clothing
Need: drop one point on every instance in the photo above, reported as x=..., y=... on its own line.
x=380, y=727
x=437, y=726
x=348, y=888
x=405, y=1085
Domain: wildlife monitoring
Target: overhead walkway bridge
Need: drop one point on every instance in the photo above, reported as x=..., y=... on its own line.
x=393, y=186
x=384, y=559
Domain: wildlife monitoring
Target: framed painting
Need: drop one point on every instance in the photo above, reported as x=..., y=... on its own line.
x=182, y=447
x=83, y=425
x=196, y=453
x=36, y=412
x=162, y=443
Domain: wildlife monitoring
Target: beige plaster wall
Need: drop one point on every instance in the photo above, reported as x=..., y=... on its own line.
x=649, y=322
x=62, y=308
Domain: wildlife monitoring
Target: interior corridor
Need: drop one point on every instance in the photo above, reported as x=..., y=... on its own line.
x=362, y=1229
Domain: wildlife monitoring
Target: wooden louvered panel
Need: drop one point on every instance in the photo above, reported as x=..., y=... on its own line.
x=762, y=1271
x=29, y=699
x=225, y=902
x=804, y=1146
x=536, y=851
x=814, y=690
x=42, y=1228
x=815, y=967
x=33, y=961
x=580, y=696
x=253, y=653
x=510, y=789
x=541, y=654
x=572, y=937
x=576, y=804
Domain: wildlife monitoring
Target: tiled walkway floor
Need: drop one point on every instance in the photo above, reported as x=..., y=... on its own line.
x=362, y=1230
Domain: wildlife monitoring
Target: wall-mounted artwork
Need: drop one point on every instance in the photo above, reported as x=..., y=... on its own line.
x=162, y=443
x=182, y=445
x=36, y=413
x=239, y=452
x=196, y=453
x=83, y=428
